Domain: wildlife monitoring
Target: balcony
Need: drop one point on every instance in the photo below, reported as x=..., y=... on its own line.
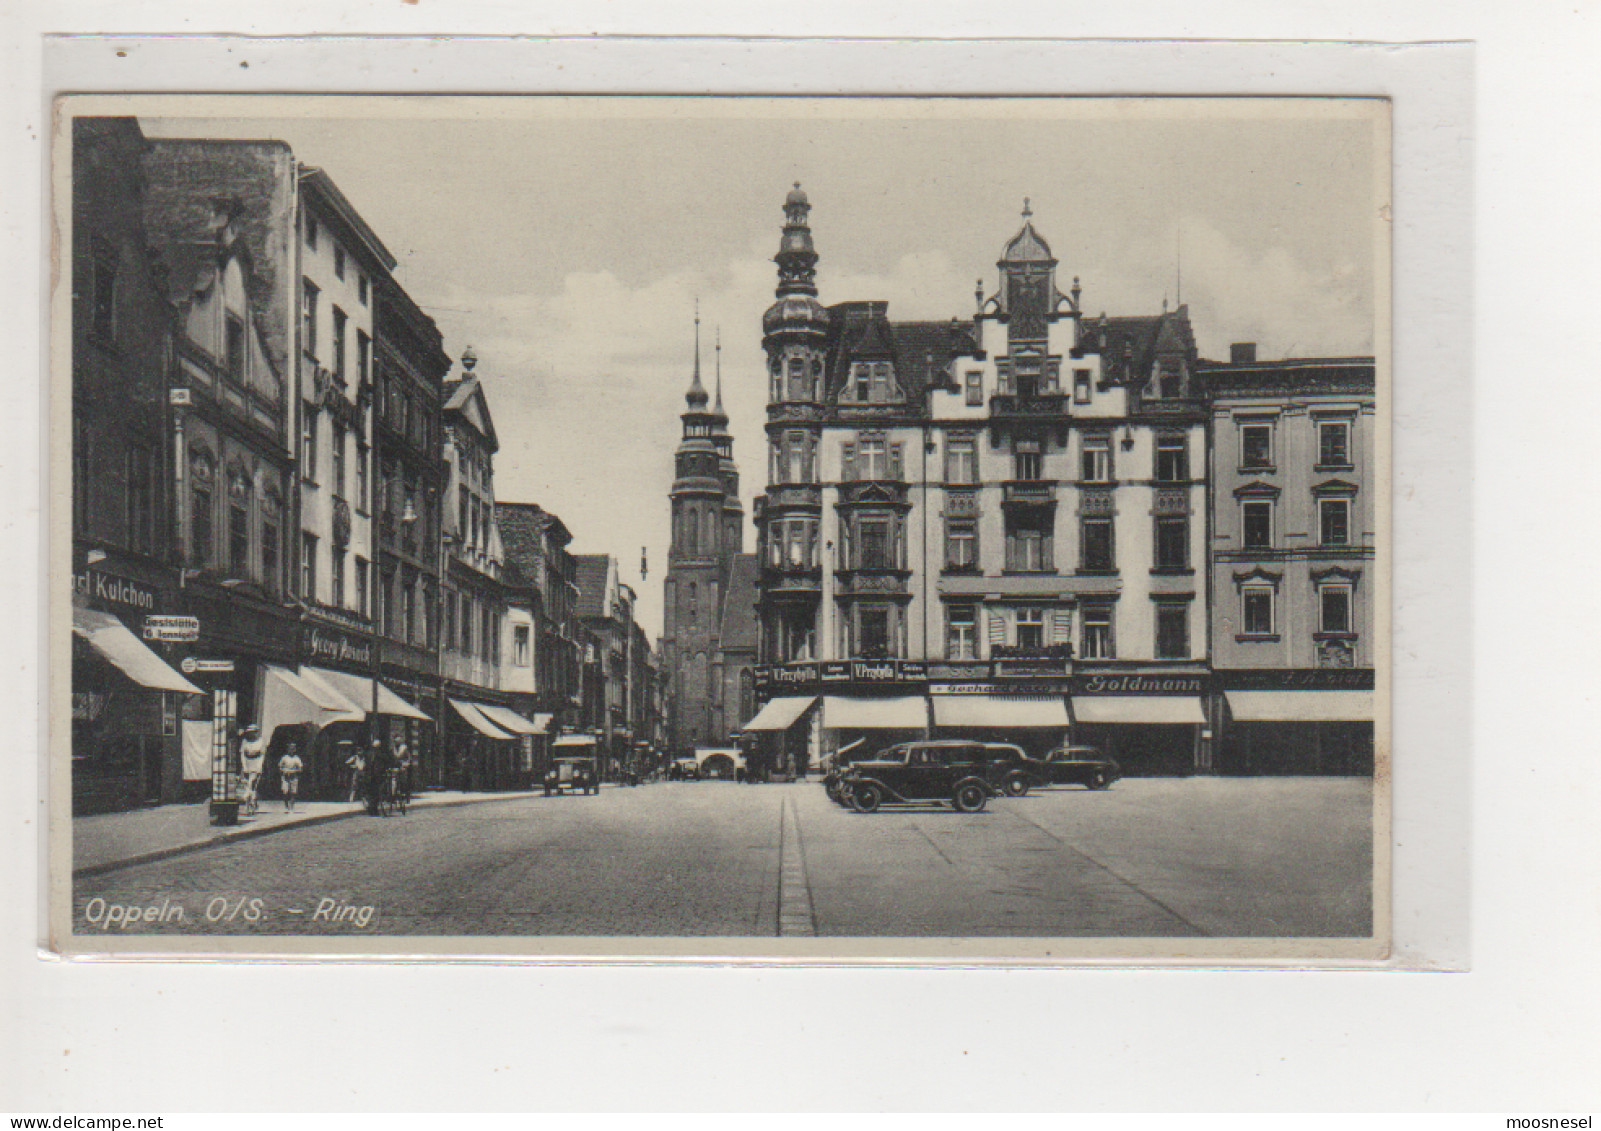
x=1031, y=651
x=794, y=496
x=1034, y=406
x=1028, y=493
x=872, y=581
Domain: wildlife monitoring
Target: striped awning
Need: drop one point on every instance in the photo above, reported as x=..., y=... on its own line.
x=905, y=712
x=127, y=653
x=1301, y=706
x=781, y=713
x=507, y=719
x=999, y=711
x=358, y=689
x=1166, y=709
x=474, y=716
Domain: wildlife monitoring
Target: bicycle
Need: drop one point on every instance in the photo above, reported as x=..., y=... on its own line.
x=391, y=797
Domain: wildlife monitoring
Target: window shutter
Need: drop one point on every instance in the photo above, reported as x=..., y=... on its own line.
x=848, y=460
x=1061, y=626
x=895, y=451
x=997, y=628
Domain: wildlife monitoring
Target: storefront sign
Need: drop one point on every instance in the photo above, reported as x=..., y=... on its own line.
x=985, y=688
x=789, y=674
x=1139, y=685
x=1298, y=679
x=190, y=665
x=835, y=672
x=324, y=644
x=873, y=671
x=113, y=590
x=172, y=630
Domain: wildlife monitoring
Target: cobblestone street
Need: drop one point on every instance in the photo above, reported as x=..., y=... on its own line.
x=1190, y=857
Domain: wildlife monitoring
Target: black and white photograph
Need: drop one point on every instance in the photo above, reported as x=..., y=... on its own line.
x=722, y=527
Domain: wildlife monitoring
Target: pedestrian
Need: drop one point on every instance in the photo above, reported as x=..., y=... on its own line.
x=375, y=775
x=403, y=763
x=252, y=759
x=289, y=770
x=356, y=767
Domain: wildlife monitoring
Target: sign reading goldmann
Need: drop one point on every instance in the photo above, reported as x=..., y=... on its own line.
x=1119, y=522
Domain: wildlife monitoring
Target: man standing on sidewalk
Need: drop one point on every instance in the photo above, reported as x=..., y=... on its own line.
x=252, y=759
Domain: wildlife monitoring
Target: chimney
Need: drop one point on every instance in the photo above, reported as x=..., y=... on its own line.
x=1242, y=353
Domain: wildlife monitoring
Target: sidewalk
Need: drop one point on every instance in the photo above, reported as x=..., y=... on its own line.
x=106, y=841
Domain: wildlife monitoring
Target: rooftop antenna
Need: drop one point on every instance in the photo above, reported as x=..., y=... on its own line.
x=1178, y=239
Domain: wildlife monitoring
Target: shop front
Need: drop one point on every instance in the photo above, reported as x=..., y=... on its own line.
x=778, y=737
x=492, y=755
x=1318, y=721
x=339, y=659
x=237, y=635
x=1033, y=719
x=127, y=705
x=1152, y=724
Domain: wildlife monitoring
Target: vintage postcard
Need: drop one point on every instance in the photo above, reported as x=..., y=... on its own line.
x=941, y=530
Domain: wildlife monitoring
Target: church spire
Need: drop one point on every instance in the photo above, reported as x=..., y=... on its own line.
x=697, y=392
x=718, y=405
x=796, y=258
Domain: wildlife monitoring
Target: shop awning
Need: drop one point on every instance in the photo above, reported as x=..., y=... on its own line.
x=507, y=719
x=907, y=712
x=781, y=713
x=574, y=740
x=1168, y=709
x=127, y=653
x=999, y=711
x=290, y=699
x=474, y=717
x=358, y=689
x=1301, y=706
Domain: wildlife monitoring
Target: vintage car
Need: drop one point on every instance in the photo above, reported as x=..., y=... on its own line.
x=1076, y=765
x=1009, y=769
x=572, y=774
x=954, y=773
x=683, y=769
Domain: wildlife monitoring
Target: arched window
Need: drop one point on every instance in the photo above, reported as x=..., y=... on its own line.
x=799, y=389
x=747, y=696
x=271, y=533
x=202, y=497
x=238, y=521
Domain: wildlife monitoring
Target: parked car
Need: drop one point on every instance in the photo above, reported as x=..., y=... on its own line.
x=683, y=769
x=572, y=775
x=1009, y=769
x=1077, y=765
x=955, y=773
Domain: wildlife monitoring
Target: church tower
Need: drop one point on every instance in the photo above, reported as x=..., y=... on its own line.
x=706, y=535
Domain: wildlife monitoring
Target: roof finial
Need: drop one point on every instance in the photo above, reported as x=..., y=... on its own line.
x=1027, y=212
x=719, y=369
x=697, y=392
x=468, y=359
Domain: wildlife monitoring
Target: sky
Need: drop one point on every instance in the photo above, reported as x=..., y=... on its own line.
x=569, y=241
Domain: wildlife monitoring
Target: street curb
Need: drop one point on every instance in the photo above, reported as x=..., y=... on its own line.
x=250, y=834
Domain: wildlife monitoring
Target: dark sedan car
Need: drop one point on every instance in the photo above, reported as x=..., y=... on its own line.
x=955, y=773
x=1075, y=765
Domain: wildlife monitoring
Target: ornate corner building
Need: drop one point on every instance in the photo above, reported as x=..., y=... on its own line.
x=992, y=526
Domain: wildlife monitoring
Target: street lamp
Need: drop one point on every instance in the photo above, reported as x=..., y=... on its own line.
x=408, y=517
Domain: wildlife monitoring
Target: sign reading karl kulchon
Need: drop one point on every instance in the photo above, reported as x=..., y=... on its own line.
x=855, y=529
